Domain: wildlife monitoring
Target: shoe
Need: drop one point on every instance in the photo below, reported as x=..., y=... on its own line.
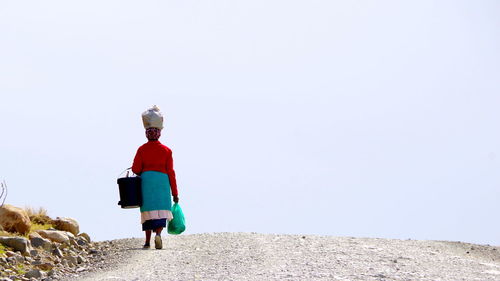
x=158, y=244
x=146, y=246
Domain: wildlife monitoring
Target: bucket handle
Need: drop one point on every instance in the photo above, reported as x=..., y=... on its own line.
x=128, y=172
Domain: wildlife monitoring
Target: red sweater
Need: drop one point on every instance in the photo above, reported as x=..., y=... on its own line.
x=154, y=156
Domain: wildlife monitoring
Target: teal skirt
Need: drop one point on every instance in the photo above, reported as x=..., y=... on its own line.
x=156, y=194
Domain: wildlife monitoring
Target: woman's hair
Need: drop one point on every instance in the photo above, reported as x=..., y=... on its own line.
x=153, y=134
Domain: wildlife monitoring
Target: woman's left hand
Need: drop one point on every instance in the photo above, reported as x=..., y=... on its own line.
x=176, y=199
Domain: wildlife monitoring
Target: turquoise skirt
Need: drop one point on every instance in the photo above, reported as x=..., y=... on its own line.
x=156, y=194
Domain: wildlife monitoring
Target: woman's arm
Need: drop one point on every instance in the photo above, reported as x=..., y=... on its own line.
x=171, y=176
x=137, y=166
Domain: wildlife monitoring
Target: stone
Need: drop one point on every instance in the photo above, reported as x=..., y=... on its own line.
x=45, y=266
x=73, y=242
x=19, y=258
x=39, y=242
x=80, y=259
x=57, y=252
x=81, y=241
x=34, y=253
x=55, y=235
x=66, y=224
x=33, y=235
x=20, y=244
x=72, y=260
x=34, y=273
x=10, y=254
x=14, y=219
x=14, y=257
x=85, y=236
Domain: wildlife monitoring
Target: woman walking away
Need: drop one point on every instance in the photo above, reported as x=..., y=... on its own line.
x=154, y=163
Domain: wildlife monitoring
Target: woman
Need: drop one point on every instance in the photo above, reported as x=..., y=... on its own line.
x=153, y=162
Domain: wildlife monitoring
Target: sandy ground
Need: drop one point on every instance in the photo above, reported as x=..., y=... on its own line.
x=249, y=256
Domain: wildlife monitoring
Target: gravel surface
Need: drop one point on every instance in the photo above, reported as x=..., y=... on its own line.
x=249, y=256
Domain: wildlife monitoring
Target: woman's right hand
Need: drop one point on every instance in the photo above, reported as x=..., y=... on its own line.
x=176, y=199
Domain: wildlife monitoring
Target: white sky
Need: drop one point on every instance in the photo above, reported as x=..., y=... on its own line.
x=346, y=118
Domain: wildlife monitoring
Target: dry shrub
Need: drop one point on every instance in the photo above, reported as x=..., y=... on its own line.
x=32, y=211
x=36, y=226
x=3, y=249
x=38, y=216
x=5, y=233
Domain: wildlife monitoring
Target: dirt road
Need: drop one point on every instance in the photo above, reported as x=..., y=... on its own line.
x=245, y=256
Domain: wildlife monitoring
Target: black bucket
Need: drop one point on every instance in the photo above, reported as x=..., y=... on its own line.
x=130, y=192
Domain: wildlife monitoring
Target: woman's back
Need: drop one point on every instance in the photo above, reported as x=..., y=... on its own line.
x=152, y=156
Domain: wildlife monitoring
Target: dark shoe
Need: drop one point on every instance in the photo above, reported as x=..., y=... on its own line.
x=146, y=246
x=158, y=243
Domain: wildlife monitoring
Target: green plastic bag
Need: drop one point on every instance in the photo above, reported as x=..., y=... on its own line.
x=177, y=225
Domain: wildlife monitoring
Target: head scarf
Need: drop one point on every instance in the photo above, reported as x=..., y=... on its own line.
x=153, y=134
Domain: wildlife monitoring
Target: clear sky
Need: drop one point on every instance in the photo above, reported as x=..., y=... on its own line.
x=345, y=118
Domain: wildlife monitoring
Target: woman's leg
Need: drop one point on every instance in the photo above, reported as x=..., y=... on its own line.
x=158, y=230
x=148, y=237
x=158, y=242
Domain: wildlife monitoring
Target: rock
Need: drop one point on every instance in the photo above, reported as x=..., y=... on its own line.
x=34, y=253
x=73, y=242
x=81, y=241
x=66, y=224
x=20, y=244
x=72, y=260
x=55, y=235
x=51, y=273
x=57, y=252
x=14, y=257
x=40, y=242
x=56, y=260
x=45, y=266
x=34, y=273
x=80, y=259
x=19, y=258
x=14, y=219
x=86, y=236
x=33, y=235
x=10, y=254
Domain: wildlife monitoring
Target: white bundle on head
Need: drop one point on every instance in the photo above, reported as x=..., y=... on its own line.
x=152, y=118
